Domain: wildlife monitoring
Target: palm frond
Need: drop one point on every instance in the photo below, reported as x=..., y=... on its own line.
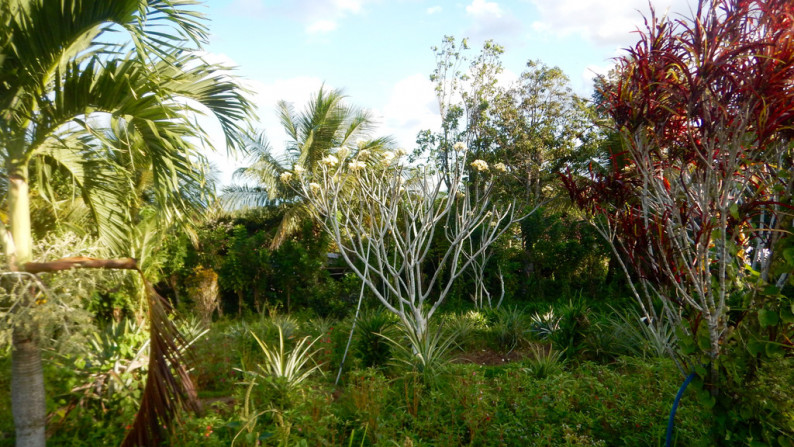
x=211, y=87
x=286, y=113
x=168, y=386
x=290, y=223
x=237, y=197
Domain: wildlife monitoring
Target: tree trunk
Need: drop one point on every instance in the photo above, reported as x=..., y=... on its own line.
x=27, y=377
x=27, y=390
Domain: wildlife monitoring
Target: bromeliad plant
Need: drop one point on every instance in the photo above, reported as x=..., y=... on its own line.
x=697, y=201
x=287, y=368
x=283, y=371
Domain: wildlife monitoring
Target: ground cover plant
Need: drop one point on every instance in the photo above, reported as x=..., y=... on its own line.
x=535, y=399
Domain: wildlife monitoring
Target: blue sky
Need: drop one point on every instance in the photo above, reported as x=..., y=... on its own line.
x=378, y=51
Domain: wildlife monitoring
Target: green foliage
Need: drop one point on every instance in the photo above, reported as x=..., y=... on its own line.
x=53, y=302
x=573, y=327
x=564, y=253
x=373, y=328
x=112, y=305
x=632, y=334
x=544, y=362
x=538, y=401
x=286, y=369
x=472, y=327
x=545, y=324
x=109, y=374
x=426, y=354
x=254, y=276
x=509, y=328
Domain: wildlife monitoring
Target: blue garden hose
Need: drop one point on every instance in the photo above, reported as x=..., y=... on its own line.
x=671, y=421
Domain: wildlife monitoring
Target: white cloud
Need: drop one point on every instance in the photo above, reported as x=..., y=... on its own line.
x=296, y=91
x=412, y=106
x=321, y=26
x=608, y=22
x=323, y=16
x=490, y=21
x=480, y=8
x=590, y=73
x=353, y=6
x=433, y=10
x=316, y=16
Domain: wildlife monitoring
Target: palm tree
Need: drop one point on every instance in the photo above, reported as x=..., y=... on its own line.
x=63, y=89
x=328, y=126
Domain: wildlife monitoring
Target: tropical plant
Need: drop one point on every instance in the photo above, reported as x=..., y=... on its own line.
x=696, y=202
x=635, y=335
x=370, y=345
x=509, y=328
x=427, y=354
x=287, y=368
x=544, y=325
x=572, y=328
x=327, y=127
x=63, y=90
x=544, y=362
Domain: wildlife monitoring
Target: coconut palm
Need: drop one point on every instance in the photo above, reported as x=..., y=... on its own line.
x=64, y=87
x=326, y=127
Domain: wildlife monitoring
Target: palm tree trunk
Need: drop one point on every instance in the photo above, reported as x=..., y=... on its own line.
x=27, y=377
x=27, y=389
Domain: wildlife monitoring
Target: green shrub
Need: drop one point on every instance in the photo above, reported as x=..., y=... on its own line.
x=572, y=329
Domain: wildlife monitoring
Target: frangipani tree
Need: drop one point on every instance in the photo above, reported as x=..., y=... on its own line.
x=385, y=224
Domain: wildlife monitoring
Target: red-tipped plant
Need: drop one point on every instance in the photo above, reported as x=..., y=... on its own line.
x=695, y=198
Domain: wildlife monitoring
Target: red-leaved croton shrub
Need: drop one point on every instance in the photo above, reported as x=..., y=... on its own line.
x=698, y=197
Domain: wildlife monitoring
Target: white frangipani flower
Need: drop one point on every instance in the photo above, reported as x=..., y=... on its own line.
x=298, y=169
x=342, y=152
x=285, y=177
x=315, y=187
x=356, y=165
x=400, y=153
x=329, y=160
x=363, y=154
x=459, y=147
x=388, y=157
x=480, y=165
x=500, y=167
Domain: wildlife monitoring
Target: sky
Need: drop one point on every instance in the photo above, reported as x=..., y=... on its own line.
x=379, y=51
